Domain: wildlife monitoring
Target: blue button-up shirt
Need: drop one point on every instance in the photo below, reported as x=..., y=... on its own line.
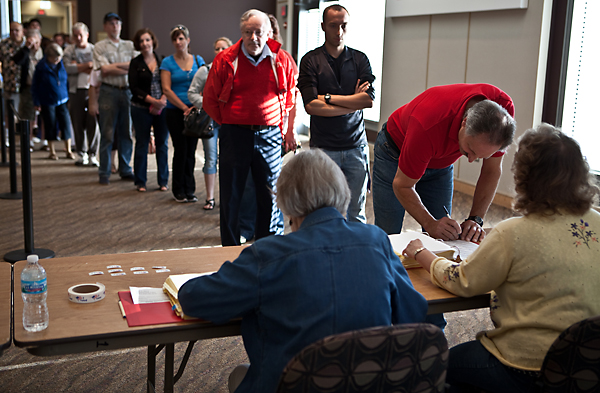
x=328, y=277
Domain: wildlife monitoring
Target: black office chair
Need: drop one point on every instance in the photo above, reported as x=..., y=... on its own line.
x=572, y=364
x=401, y=358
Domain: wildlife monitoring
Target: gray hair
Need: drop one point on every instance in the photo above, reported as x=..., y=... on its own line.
x=53, y=49
x=489, y=118
x=80, y=26
x=309, y=181
x=33, y=32
x=254, y=12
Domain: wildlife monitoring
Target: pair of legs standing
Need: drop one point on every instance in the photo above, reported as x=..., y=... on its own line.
x=241, y=152
x=184, y=158
x=53, y=115
x=114, y=104
x=143, y=122
x=210, y=166
x=85, y=128
x=355, y=165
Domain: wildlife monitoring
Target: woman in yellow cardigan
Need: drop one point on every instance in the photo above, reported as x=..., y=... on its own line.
x=542, y=268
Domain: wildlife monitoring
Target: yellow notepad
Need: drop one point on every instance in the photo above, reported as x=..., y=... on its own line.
x=171, y=288
x=400, y=241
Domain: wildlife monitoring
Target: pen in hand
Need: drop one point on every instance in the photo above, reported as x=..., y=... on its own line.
x=447, y=212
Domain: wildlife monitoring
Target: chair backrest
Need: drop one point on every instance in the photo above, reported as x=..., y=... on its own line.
x=572, y=363
x=401, y=358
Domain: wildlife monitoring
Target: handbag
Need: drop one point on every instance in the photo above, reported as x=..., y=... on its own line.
x=197, y=124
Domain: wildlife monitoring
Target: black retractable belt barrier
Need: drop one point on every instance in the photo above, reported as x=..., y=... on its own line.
x=13, y=194
x=42, y=253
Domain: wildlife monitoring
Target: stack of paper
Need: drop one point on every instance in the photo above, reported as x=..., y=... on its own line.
x=400, y=241
x=171, y=288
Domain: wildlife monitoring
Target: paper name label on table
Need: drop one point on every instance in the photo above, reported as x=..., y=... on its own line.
x=145, y=295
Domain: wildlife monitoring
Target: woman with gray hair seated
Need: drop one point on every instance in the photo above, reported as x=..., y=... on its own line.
x=328, y=276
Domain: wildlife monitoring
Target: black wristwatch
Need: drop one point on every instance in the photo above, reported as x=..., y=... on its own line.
x=327, y=98
x=476, y=219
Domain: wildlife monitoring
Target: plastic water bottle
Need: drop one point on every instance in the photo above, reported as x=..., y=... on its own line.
x=34, y=291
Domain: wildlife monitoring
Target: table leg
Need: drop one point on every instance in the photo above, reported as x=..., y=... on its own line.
x=169, y=365
x=153, y=351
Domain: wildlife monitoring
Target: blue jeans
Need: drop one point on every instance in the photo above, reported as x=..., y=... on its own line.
x=53, y=114
x=248, y=210
x=242, y=151
x=472, y=368
x=355, y=165
x=114, y=106
x=434, y=188
x=210, y=151
x=142, y=121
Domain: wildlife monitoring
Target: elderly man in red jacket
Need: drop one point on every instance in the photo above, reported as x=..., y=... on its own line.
x=250, y=91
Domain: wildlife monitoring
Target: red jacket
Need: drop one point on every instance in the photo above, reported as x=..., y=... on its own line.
x=223, y=71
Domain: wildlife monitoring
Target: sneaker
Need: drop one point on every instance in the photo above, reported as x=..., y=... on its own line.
x=94, y=161
x=243, y=240
x=191, y=198
x=104, y=180
x=83, y=160
x=128, y=177
x=180, y=198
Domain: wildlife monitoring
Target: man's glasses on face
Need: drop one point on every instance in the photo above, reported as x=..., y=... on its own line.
x=257, y=33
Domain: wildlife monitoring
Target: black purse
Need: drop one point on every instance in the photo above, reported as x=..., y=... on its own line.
x=198, y=124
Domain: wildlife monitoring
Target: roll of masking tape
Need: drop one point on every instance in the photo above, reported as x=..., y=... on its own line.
x=87, y=293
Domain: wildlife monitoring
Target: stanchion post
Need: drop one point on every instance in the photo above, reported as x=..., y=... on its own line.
x=42, y=253
x=3, y=134
x=13, y=194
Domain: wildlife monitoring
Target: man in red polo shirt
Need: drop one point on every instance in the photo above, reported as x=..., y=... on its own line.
x=416, y=149
x=250, y=92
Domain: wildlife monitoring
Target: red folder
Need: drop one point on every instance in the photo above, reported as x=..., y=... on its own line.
x=147, y=314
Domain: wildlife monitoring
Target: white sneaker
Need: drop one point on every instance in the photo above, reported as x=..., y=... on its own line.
x=94, y=161
x=82, y=160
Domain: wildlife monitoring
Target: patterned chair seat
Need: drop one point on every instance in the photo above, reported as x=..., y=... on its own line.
x=390, y=359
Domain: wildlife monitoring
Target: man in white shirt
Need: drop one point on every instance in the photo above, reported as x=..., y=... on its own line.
x=112, y=56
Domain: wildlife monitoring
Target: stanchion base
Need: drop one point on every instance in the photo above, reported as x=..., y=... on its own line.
x=10, y=195
x=21, y=255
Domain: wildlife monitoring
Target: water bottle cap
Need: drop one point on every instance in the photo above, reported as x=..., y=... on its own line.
x=32, y=258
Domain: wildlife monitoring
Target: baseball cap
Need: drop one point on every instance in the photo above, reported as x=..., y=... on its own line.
x=110, y=16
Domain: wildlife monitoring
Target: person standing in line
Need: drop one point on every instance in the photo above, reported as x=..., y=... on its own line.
x=209, y=145
x=79, y=63
x=250, y=92
x=50, y=94
x=147, y=104
x=336, y=85
x=176, y=74
x=112, y=56
x=11, y=71
x=27, y=57
x=248, y=209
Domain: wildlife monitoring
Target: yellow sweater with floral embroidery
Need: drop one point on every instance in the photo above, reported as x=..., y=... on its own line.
x=544, y=274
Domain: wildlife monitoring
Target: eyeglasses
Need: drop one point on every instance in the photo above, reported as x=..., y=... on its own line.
x=258, y=33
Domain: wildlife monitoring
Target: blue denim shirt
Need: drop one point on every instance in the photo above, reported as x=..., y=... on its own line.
x=328, y=277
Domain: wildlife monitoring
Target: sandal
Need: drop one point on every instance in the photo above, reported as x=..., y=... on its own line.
x=209, y=204
x=163, y=188
x=70, y=155
x=141, y=188
x=53, y=156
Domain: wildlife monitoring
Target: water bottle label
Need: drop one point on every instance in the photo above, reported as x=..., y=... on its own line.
x=33, y=287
